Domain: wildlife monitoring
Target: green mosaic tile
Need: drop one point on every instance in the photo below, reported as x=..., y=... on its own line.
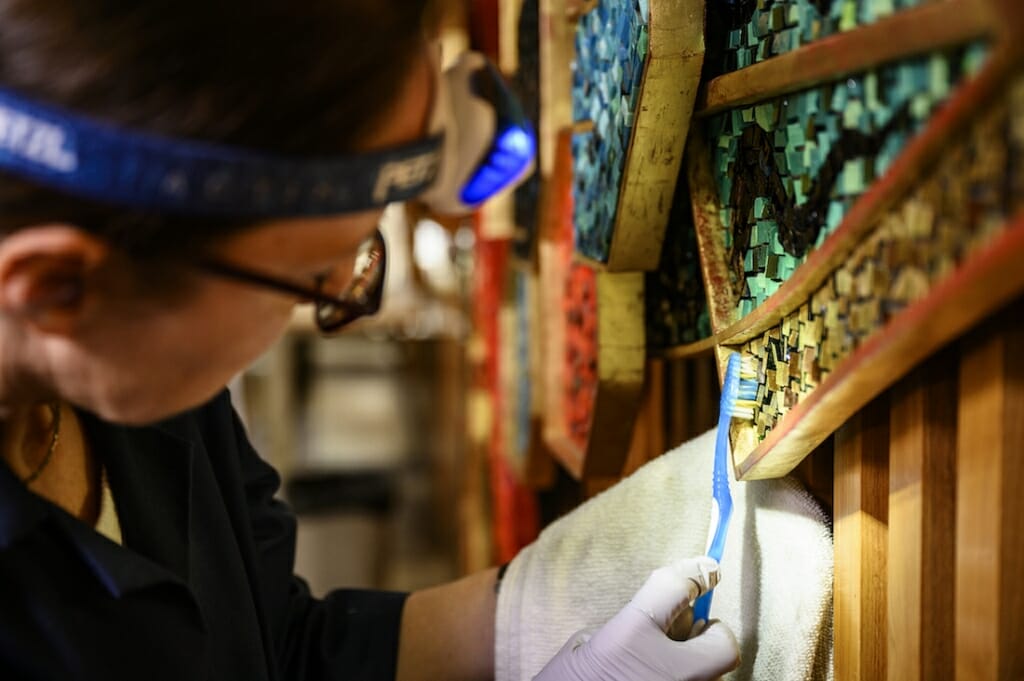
x=961, y=205
x=744, y=32
x=789, y=170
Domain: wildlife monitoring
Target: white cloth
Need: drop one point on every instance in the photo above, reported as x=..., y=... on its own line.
x=776, y=588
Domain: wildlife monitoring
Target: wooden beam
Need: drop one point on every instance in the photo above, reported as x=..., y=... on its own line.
x=929, y=27
x=668, y=91
x=922, y=513
x=861, y=518
x=476, y=546
x=556, y=54
x=714, y=258
x=701, y=347
x=621, y=348
x=540, y=470
x=556, y=198
x=508, y=35
x=989, y=592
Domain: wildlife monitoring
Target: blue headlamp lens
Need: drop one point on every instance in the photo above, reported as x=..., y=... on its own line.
x=513, y=152
x=514, y=146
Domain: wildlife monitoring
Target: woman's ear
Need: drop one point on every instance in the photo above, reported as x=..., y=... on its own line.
x=45, y=272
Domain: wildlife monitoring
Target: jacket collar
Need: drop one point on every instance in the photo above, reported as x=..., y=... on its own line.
x=150, y=473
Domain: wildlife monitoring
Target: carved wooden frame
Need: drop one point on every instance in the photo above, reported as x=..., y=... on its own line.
x=987, y=278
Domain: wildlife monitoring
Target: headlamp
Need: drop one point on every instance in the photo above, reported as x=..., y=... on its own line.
x=488, y=143
x=480, y=143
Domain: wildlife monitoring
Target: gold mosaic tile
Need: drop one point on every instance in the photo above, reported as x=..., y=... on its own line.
x=961, y=206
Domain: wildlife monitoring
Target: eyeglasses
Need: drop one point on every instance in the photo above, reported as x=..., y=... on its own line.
x=361, y=298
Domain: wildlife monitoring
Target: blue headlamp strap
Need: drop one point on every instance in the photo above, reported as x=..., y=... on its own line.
x=98, y=161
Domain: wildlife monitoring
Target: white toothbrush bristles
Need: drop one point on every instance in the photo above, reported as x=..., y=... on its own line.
x=746, y=394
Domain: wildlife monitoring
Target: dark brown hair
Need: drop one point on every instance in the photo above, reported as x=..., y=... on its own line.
x=295, y=78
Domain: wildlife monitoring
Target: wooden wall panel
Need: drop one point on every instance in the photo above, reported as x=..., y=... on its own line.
x=989, y=592
x=692, y=398
x=861, y=520
x=922, y=493
x=648, y=440
x=677, y=416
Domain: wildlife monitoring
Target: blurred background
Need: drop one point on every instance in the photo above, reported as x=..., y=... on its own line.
x=440, y=436
x=369, y=428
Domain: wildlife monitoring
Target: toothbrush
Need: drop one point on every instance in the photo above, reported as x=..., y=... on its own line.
x=739, y=396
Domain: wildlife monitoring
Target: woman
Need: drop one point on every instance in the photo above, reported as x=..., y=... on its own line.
x=139, y=537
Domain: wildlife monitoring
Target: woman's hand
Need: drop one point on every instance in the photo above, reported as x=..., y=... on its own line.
x=635, y=646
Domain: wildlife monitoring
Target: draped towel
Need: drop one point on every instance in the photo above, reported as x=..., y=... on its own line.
x=776, y=589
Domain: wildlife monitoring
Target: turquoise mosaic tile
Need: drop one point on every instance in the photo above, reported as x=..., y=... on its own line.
x=749, y=31
x=611, y=48
x=789, y=169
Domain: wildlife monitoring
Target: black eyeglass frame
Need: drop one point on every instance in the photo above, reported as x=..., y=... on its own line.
x=361, y=298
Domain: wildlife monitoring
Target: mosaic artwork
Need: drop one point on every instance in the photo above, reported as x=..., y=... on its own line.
x=611, y=48
x=675, y=304
x=756, y=30
x=789, y=169
x=580, y=373
x=962, y=205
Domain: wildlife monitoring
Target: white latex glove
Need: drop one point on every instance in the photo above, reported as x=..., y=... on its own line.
x=634, y=645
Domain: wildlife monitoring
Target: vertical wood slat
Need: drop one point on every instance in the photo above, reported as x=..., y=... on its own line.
x=706, y=391
x=648, y=441
x=817, y=473
x=922, y=494
x=654, y=419
x=556, y=53
x=677, y=405
x=692, y=397
x=989, y=598
x=861, y=517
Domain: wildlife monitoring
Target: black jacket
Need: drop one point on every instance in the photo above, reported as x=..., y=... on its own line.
x=203, y=586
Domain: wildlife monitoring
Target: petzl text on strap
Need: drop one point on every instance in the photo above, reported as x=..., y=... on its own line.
x=98, y=161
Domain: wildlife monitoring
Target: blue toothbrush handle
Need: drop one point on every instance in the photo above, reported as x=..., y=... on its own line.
x=720, y=477
x=702, y=607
